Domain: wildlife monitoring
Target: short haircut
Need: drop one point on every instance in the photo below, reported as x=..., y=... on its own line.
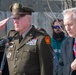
x=71, y=10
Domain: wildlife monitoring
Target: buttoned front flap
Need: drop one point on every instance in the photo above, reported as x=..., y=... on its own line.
x=10, y=51
x=28, y=57
x=29, y=50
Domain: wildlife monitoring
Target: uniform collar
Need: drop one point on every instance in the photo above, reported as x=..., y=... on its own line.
x=24, y=34
x=28, y=37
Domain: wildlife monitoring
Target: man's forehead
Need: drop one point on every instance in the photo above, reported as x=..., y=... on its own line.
x=57, y=23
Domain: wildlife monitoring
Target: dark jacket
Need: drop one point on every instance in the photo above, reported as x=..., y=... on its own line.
x=5, y=67
x=56, y=45
x=33, y=56
x=66, y=58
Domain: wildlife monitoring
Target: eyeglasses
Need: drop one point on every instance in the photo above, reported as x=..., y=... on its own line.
x=57, y=27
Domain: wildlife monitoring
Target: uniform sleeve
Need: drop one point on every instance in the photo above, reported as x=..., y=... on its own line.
x=45, y=56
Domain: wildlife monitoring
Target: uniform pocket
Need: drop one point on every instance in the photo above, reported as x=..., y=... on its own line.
x=28, y=52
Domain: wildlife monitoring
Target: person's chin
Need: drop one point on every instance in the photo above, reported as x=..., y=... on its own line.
x=71, y=35
x=17, y=29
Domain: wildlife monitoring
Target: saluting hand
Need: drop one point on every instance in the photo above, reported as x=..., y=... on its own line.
x=3, y=23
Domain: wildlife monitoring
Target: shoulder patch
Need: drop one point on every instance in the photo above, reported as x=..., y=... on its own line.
x=47, y=40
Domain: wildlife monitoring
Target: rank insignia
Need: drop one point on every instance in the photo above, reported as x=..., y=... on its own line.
x=47, y=40
x=9, y=55
x=32, y=42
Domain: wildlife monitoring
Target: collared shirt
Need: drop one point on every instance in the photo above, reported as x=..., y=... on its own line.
x=24, y=34
x=75, y=40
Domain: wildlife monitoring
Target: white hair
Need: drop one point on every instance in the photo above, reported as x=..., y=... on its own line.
x=71, y=10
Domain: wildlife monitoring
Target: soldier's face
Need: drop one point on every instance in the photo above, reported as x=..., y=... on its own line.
x=22, y=24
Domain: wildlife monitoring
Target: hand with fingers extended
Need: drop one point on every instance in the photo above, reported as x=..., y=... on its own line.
x=3, y=23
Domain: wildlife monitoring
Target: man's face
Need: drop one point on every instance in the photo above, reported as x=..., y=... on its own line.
x=57, y=27
x=22, y=24
x=70, y=24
